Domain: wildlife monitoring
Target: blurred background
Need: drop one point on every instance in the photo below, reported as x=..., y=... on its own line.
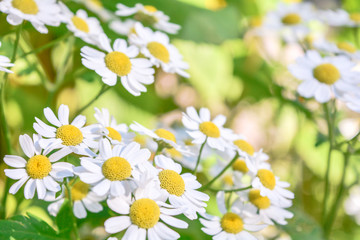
x=234, y=71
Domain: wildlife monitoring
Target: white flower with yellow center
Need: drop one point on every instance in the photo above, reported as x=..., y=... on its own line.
x=119, y=61
x=107, y=127
x=83, y=199
x=234, y=224
x=290, y=20
x=148, y=15
x=270, y=186
x=84, y=27
x=340, y=18
x=38, y=12
x=201, y=128
x=72, y=136
x=324, y=77
x=143, y=215
x=156, y=46
x=267, y=210
x=4, y=63
x=339, y=48
x=40, y=171
x=113, y=171
x=179, y=188
x=352, y=203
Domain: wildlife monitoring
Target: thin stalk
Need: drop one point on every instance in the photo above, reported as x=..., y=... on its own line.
x=230, y=190
x=199, y=157
x=71, y=205
x=222, y=172
x=331, y=147
x=103, y=89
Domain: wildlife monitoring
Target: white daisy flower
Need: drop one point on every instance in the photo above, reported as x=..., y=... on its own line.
x=83, y=199
x=108, y=127
x=340, y=18
x=4, y=63
x=84, y=27
x=270, y=186
x=113, y=171
x=74, y=136
x=202, y=129
x=143, y=216
x=324, y=77
x=290, y=20
x=342, y=48
x=156, y=46
x=234, y=224
x=38, y=12
x=119, y=61
x=268, y=211
x=352, y=203
x=40, y=171
x=179, y=188
x=125, y=27
x=150, y=15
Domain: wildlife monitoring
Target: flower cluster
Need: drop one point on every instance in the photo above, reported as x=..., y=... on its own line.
x=132, y=60
x=143, y=175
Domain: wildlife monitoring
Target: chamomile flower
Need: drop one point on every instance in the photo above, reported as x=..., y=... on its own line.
x=40, y=172
x=108, y=127
x=339, y=18
x=340, y=48
x=324, y=77
x=268, y=211
x=270, y=186
x=38, y=12
x=179, y=188
x=143, y=215
x=119, y=61
x=234, y=224
x=4, y=63
x=201, y=128
x=113, y=171
x=72, y=136
x=83, y=199
x=84, y=27
x=156, y=46
x=148, y=15
x=352, y=203
x=290, y=20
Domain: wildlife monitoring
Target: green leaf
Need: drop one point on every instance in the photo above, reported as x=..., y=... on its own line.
x=65, y=219
x=27, y=228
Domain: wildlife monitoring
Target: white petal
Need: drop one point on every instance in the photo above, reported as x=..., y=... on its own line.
x=79, y=210
x=29, y=190
x=15, y=161
x=63, y=114
x=117, y=224
x=27, y=145
x=16, y=186
x=15, y=173
x=50, y=116
x=41, y=190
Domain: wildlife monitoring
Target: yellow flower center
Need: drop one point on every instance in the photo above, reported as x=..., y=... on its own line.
x=258, y=200
x=326, y=73
x=173, y=152
x=232, y=223
x=291, y=19
x=244, y=146
x=113, y=134
x=38, y=167
x=79, y=191
x=163, y=133
x=70, y=135
x=240, y=165
x=209, y=129
x=144, y=213
x=267, y=178
x=355, y=17
x=116, y=169
x=228, y=180
x=118, y=63
x=80, y=24
x=96, y=3
x=346, y=47
x=172, y=182
x=150, y=8
x=256, y=21
x=159, y=51
x=140, y=139
x=26, y=6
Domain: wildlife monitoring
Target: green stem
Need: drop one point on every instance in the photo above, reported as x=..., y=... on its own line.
x=71, y=205
x=335, y=207
x=4, y=125
x=222, y=172
x=331, y=146
x=230, y=190
x=199, y=157
x=103, y=89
